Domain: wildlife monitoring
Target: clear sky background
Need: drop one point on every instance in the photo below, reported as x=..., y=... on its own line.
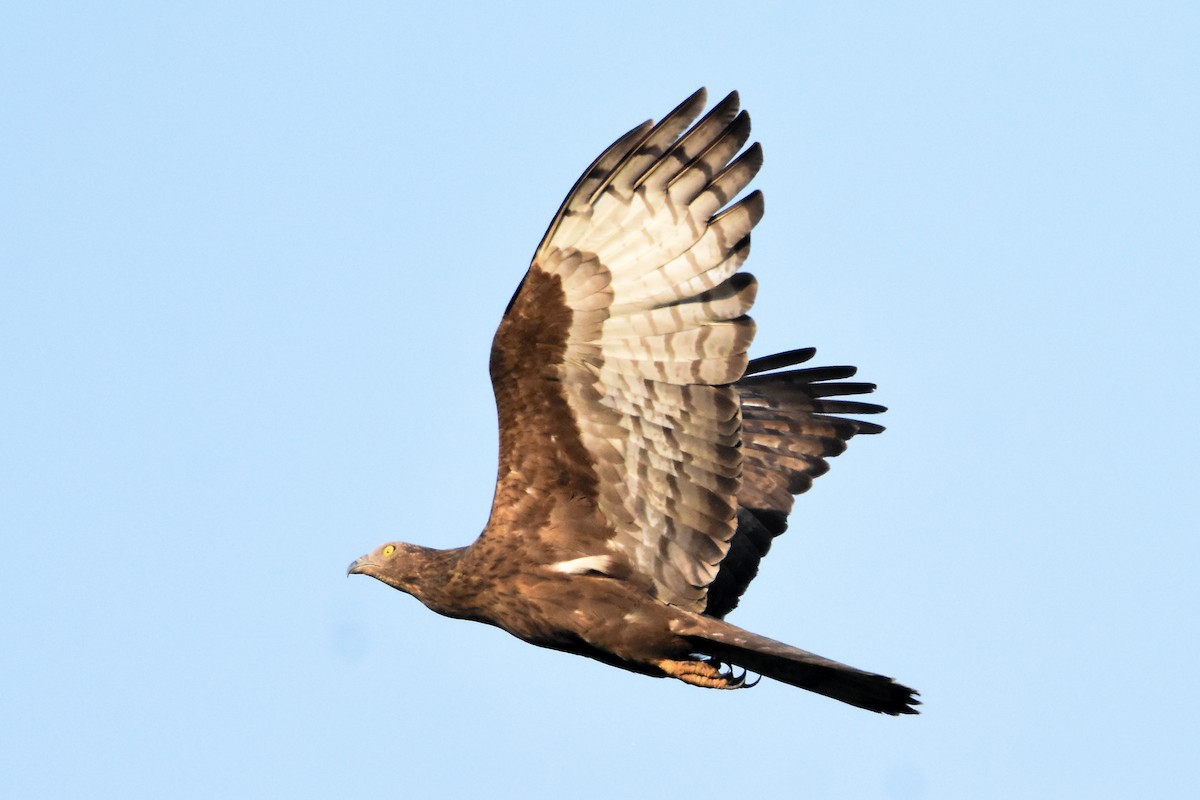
x=251, y=259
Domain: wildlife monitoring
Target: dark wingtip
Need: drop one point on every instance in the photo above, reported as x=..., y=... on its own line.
x=867, y=428
x=780, y=360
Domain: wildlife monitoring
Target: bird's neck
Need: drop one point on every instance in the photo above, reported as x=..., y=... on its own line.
x=437, y=579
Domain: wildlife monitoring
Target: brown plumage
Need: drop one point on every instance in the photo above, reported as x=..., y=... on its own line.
x=645, y=464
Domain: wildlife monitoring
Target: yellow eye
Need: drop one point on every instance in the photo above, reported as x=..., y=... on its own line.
x=391, y=548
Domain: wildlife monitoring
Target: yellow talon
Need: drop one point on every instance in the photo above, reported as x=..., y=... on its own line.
x=700, y=673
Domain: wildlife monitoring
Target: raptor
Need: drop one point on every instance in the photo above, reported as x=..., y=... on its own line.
x=646, y=464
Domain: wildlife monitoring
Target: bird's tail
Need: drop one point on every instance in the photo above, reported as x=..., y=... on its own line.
x=732, y=645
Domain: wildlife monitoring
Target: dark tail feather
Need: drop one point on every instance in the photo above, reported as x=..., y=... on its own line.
x=797, y=667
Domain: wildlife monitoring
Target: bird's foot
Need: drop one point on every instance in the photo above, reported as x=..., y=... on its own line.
x=709, y=674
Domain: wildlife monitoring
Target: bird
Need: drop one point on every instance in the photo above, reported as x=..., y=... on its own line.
x=646, y=463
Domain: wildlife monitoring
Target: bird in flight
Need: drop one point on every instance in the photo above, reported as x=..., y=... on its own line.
x=646, y=464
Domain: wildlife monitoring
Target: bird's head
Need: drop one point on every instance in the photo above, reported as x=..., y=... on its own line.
x=427, y=574
x=398, y=564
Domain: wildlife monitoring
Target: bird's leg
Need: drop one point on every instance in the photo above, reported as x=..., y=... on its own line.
x=704, y=673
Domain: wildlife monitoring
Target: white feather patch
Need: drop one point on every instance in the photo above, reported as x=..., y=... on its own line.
x=584, y=565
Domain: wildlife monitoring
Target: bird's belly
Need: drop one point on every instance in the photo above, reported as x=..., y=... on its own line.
x=598, y=617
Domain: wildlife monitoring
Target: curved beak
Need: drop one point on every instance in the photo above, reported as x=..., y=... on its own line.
x=359, y=567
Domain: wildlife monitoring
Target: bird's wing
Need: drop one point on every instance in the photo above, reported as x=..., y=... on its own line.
x=790, y=426
x=614, y=363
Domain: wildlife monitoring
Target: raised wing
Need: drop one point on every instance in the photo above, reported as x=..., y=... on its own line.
x=789, y=428
x=613, y=365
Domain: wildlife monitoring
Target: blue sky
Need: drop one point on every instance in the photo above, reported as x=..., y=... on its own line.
x=251, y=259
